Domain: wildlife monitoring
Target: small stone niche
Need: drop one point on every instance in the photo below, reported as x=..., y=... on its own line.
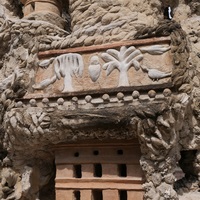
x=98, y=172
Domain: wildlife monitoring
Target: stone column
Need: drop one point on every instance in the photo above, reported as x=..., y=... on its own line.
x=159, y=139
x=45, y=10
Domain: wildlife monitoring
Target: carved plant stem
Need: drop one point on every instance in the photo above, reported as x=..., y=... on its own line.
x=67, y=81
x=123, y=77
x=122, y=60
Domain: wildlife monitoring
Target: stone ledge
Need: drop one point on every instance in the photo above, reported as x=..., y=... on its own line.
x=105, y=100
x=149, y=41
x=127, y=183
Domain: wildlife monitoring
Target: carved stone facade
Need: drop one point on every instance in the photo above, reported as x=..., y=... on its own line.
x=110, y=80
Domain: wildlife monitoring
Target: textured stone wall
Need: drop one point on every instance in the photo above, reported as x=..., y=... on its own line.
x=28, y=129
x=108, y=21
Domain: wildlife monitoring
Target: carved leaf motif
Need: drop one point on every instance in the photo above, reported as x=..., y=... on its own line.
x=136, y=64
x=110, y=67
x=155, y=49
x=46, y=63
x=34, y=119
x=122, y=60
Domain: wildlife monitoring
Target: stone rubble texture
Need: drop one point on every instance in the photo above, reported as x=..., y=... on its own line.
x=167, y=125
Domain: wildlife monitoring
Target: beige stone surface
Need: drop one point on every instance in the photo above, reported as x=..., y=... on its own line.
x=110, y=194
x=63, y=195
x=165, y=120
x=135, y=195
x=190, y=196
x=86, y=194
x=65, y=171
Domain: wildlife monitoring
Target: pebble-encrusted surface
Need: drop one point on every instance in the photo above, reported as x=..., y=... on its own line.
x=166, y=123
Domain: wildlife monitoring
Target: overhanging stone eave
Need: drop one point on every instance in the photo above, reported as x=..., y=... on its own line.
x=50, y=125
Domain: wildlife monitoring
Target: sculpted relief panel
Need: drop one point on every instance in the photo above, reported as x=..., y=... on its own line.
x=48, y=100
x=114, y=67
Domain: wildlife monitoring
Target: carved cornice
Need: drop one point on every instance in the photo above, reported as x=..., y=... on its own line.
x=61, y=122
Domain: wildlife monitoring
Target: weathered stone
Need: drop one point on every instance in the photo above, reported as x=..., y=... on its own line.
x=135, y=94
x=120, y=96
x=98, y=40
x=167, y=92
x=88, y=98
x=89, y=41
x=152, y=93
x=44, y=116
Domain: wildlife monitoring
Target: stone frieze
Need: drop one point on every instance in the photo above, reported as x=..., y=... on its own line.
x=110, y=68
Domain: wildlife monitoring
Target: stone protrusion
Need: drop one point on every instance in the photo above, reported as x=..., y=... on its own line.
x=167, y=92
x=88, y=98
x=106, y=97
x=135, y=94
x=120, y=96
x=152, y=94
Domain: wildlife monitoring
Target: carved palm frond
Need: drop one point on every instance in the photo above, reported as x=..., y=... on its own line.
x=65, y=66
x=45, y=63
x=122, y=60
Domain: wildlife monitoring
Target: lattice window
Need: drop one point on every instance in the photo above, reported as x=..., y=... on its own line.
x=99, y=172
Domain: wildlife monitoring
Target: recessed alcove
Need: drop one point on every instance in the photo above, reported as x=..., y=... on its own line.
x=122, y=195
x=186, y=173
x=77, y=195
x=97, y=170
x=77, y=171
x=122, y=170
x=97, y=195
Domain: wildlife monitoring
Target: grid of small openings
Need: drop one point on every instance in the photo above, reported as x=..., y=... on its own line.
x=99, y=173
